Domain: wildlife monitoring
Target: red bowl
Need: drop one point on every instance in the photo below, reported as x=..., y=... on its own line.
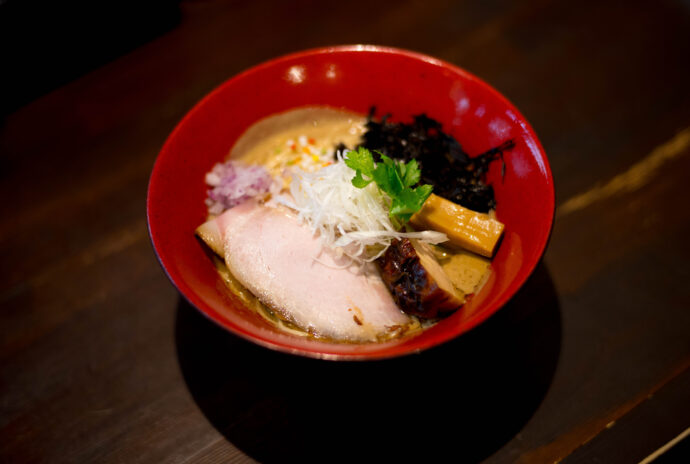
x=355, y=78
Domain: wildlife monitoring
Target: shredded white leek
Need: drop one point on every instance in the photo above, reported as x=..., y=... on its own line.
x=352, y=221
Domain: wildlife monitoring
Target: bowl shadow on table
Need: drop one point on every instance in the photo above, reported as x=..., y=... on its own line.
x=463, y=400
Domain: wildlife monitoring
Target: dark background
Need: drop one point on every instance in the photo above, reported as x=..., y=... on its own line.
x=101, y=361
x=46, y=44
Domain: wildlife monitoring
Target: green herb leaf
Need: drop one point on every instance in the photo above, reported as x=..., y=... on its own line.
x=359, y=181
x=393, y=178
x=361, y=161
x=411, y=173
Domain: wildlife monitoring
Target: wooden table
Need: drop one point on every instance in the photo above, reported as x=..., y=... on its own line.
x=102, y=361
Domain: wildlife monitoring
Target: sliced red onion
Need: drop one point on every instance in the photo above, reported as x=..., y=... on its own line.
x=232, y=183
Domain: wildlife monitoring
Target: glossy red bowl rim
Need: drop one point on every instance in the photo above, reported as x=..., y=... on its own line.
x=388, y=351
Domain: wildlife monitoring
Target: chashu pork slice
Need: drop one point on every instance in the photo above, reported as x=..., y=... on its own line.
x=283, y=264
x=417, y=281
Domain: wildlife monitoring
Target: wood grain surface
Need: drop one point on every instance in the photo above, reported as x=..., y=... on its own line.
x=102, y=361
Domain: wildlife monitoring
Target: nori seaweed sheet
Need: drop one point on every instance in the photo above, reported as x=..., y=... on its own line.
x=444, y=164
